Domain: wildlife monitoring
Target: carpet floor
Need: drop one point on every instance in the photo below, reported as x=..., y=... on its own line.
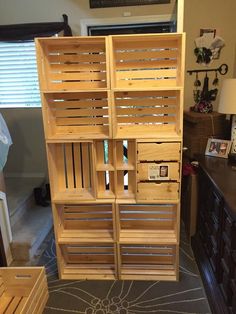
x=126, y=297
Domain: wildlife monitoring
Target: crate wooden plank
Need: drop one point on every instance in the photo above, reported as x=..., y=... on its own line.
x=159, y=151
x=158, y=191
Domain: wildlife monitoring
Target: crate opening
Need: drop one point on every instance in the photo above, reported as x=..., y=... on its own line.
x=73, y=169
x=84, y=114
x=144, y=113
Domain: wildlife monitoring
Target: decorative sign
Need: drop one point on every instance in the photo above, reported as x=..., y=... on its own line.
x=158, y=172
x=120, y=3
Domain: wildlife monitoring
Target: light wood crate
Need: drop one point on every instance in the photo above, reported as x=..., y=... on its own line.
x=70, y=115
x=71, y=171
x=147, y=114
x=23, y=290
x=88, y=261
x=152, y=223
x=147, y=61
x=72, y=63
x=158, y=166
x=90, y=222
x=148, y=262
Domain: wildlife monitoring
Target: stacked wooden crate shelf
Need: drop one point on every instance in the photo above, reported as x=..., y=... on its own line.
x=112, y=110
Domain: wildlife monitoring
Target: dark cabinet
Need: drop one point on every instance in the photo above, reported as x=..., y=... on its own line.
x=214, y=243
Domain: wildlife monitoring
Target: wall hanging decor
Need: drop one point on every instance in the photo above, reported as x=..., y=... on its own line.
x=203, y=98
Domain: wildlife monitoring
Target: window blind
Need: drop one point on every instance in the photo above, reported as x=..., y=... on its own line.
x=18, y=75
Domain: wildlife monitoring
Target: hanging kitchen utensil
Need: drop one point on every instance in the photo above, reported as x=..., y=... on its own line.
x=204, y=94
x=197, y=82
x=216, y=80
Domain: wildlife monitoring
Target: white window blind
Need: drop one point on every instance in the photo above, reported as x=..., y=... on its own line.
x=18, y=75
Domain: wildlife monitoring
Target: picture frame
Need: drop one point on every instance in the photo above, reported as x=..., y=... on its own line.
x=218, y=148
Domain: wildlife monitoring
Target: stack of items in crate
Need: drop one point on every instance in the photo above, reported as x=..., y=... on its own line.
x=112, y=111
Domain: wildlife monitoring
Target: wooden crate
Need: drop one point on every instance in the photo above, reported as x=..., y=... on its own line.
x=23, y=290
x=158, y=169
x=148, y=262
x=90, y=222
x=152, y=223
x=147, y=114
x=70, y=115
x=88, y=261
x=71, y=171
x=72, y=63
x=147, y=61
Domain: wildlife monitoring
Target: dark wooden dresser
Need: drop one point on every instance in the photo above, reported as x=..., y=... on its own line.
x=214, y=243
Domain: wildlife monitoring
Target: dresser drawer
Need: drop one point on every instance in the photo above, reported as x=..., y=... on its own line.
x=158, y=191
x=161, y=171
x=159, y=151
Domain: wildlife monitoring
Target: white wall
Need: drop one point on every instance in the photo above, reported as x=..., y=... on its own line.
x=209, y=14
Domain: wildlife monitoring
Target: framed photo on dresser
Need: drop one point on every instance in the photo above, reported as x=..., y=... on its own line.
x=218, y=147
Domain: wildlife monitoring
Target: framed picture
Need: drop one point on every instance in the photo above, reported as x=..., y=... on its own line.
x=218, y=148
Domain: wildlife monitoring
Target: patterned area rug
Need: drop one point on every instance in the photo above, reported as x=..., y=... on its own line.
x=126, y=297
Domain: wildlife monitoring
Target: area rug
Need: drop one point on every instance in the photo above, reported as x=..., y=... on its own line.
x=126, y=297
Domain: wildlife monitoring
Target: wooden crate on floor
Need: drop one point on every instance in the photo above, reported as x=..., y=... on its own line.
x=88, y=261
x=73, y=63
x=148, y=262
x=23, y=290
